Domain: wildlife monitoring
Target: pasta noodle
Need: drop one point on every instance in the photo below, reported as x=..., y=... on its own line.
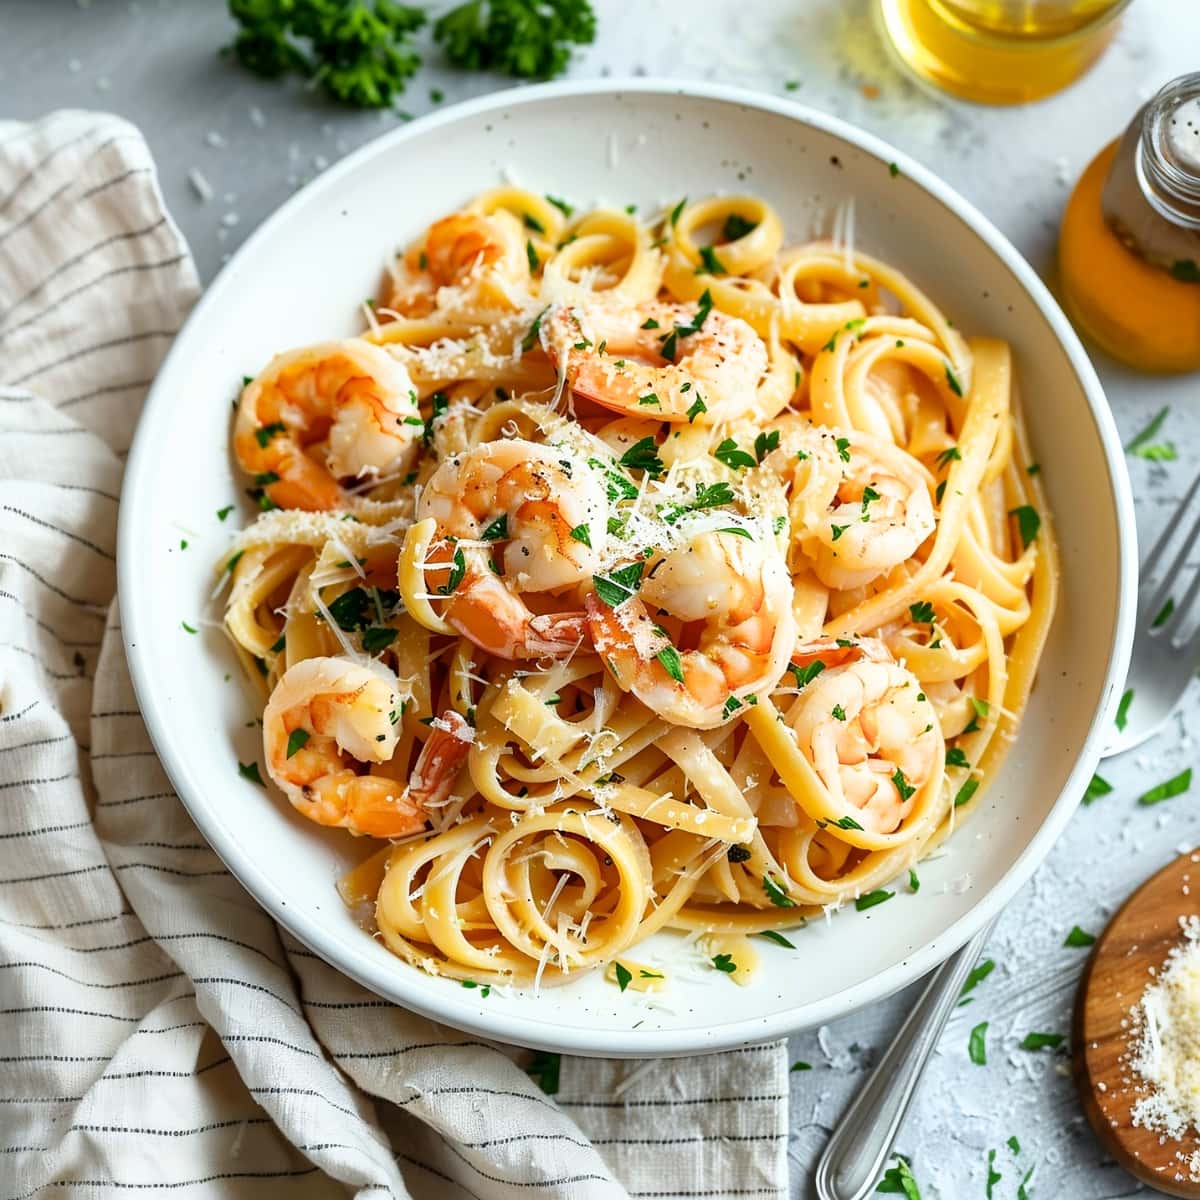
x=632, y=575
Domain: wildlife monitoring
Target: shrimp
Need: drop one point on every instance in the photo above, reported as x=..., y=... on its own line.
x=440, y=760
x=535, y=522
x=324, y=718
x=456, y=251
x=671, y=362
x=728, y=600
x=870, y=732
x=322, y=414
x=859, y=507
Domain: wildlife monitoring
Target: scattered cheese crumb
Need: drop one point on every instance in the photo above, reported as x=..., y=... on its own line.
x=200, y=185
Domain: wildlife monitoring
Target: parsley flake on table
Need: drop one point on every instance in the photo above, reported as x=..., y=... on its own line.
x=800, y=1065
x=1097, y=787
x=899, y=1180
x=1041, y=1041
x=993, y=1176
x=977, y=1044
x=188, y=628
x=1144, y=437
x=1079, y=937
x=978, y=974
x=1175, y=786
x=1164, y=613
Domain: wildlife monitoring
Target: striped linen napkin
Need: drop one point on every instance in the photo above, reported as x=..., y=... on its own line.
x=159, y=1032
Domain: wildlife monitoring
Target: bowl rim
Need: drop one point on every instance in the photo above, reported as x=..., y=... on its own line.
x=440, y=1004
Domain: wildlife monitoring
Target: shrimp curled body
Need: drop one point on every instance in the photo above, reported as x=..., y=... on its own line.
x=326, y=719
x=516, y=520
x=617, y=357
x=871, y=734
x=323, y=414
x=858, y=506
x=727, y=600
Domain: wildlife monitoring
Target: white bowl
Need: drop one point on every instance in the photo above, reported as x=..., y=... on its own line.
x=300, y=278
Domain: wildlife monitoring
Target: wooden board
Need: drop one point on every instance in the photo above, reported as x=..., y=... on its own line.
x=1136, y=941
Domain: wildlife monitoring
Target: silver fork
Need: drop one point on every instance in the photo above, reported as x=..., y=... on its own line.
x=1161, y=667
x=1163, y=660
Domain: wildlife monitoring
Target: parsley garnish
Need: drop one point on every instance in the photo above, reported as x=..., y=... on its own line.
x=838, y=714
x=948, y=456
x=562, y=206
x=893, y=169
x=650, y=398
x=965, y=792
x=531, y=255
x=724, y=962
x=670, y=340
x=698, y=407
x=1172, y=787
x=900, y=1180
x=1028, y=522
x=529, y=39
x=1079, y=937
x=618, y=486
x=978, y=974
x=222, y=513
x=250, y=771
x=497, y=530
x=485, y=990
x=359, y=52
x=728, y=453
x=952, y=380
x=1164, y=613
x=623, y=974
x=765, y=443
x=921, y=612
x=871, y=899
x=531, y=222
x=672, y=663
x=805, y=675
x=378, y=638
x=354, y=610
x=267, y=432
x=530, y=339
x=843, y=448
x=1041, y=1041
x=977, y=1044
x=837, y=530
x=993, y=1176
x=233, y=561
x=775, y=936
x=1142, y=438
x=677, y=211
x=643, y=456
x=618, y=587
x=544, y=1068
x=737, y=226
x=956, y=758
x=458, y=569
x=581, y=533
x=1097, y=787
x=914, y=884
x=297, y=740
x=775, y=893
x=1123, y=711
x=188, y=628
x=979, y=708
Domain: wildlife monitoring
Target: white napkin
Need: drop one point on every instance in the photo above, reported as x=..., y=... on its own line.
x=159, y=1031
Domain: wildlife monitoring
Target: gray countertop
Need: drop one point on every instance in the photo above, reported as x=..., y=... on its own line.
x=155, y=62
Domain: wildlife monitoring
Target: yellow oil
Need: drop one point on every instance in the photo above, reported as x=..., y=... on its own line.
x=1000, y=51
x=1133, y=309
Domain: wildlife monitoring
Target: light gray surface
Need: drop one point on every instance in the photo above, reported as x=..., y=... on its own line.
x=155, y=62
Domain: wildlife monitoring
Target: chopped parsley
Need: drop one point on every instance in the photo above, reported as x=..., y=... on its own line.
x=953, y=454
x=839, y=713
x=837, y=530
x=531, y=255
x=623, y=974
x=649, y=323
x=531, y=337
x=670, y=341
x=1079, y=937
x=378, y=638
x=485, y=990
x=921, y=612
x=458, y=570
x=250, y=771
x=1041, y=1041
x=893, y=169
x=773, y=935
x=531, y=222
x=672, y=663
x=677, y=212
x=222, y=513
x=1164, y=613
x=724, y=962
x=643, y=456
x=233, y=561
x=1144, y=437
x=356, y=609
x=1097, y=786
x=956, y=758
x=952, y=381
x=698, y=407
x=497, y=530
x=871, y=899
x=980, y=708
x=650, y=398
x=439, y=402
x=775, y=893
x=805, y=675
x=619, y=487
x=765, y=443
x=544, y=1068
x=978, y=974
x=581, y=533
x=843, y=448
x=1172, y=787
x=562, y=206
x=1122, y=718
x=620, y=585
x=188, y=628
x=297, y=740
x=728, y=453
x=964, y=793
x=1028, y=522
x=900, y=1180
x=993, y=1176
x=736, y=226
x=914, y=884
x=977, y=1044
x=902, y=785
x=799, y=1065
x=267, y=432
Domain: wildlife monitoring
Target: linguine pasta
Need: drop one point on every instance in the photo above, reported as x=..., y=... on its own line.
x=630, y=575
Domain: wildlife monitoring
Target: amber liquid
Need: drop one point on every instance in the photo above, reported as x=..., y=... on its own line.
x=1133, y=309
x=1000, y=51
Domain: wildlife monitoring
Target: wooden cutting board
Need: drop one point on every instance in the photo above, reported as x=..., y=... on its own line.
x=1137, y=940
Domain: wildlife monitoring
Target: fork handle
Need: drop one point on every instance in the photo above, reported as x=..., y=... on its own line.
x=861, y=1144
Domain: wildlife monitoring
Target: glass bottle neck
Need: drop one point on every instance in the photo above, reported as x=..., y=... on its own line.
x=1168, y=153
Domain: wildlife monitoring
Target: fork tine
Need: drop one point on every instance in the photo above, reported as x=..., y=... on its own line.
x=1172, y=627
x=1151, y=560
x=1156, y=599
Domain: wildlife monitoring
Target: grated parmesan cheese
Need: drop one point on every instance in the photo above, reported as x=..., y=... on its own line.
x=1165, y=1025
